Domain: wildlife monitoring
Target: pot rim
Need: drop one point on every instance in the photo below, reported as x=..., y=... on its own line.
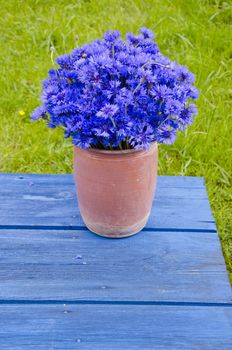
x=121, y=152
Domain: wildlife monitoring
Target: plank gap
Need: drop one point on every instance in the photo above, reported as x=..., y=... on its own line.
x=114, y=302
x=83, y=228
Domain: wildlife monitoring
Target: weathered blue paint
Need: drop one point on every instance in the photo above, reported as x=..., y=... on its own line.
x=50, y=200
x=106, y=327
x=74, y=265
x=62, y=287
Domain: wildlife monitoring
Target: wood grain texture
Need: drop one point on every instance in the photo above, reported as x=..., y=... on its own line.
x=73, y=265
x=62, y=287
x=89, y=327
x=45, y=201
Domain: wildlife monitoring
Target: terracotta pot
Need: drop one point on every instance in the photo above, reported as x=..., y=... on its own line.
x=115, y=189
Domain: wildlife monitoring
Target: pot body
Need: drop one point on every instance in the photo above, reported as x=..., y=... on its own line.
x=115, y=189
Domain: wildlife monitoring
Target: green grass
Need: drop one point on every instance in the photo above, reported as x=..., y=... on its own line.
x=192, y=32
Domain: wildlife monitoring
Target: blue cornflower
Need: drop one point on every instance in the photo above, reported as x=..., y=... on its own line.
x=111, y=36
x=64, y=61
x=107, y=111
x=165, y=134
x=147, y=33
x=117, y=93
x=39, y=112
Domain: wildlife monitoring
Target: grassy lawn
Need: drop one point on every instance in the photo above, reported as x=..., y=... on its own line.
x=196, y=33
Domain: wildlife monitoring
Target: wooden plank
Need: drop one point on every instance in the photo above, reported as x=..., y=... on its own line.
x=113, y=327
x=74, y=265
x=49, y=201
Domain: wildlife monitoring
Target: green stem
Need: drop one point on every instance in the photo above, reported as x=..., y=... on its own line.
x=127, y=143
x=157, y=63
x=139, y=84
x=113, y=122
x=52, y=49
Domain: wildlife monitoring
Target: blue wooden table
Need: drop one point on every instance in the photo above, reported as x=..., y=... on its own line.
x=63, y=287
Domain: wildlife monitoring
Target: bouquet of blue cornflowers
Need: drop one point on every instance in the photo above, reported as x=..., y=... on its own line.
x=115, y=94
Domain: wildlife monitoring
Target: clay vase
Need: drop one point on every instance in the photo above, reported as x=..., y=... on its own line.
x=115, y=189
